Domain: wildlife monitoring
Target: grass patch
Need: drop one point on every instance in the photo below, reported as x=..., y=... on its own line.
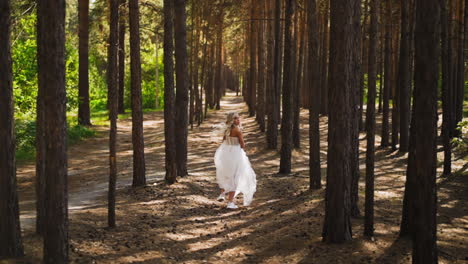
x=26, y=131
x=26, y=137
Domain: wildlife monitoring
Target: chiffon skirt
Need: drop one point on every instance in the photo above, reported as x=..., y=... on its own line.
x=234, y=172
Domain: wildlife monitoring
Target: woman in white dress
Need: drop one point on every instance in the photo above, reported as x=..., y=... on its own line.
x=234, y=173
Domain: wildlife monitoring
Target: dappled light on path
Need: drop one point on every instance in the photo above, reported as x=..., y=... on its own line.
x=183, y=223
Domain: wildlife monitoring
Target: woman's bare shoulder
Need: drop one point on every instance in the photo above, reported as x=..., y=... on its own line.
x=235, y=131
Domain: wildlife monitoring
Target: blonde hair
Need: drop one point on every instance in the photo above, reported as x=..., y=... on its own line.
x=230, y=122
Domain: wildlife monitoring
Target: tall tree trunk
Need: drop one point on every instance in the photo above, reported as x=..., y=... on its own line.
x=295, y=87
x=269, y=60
x=337, y=222
x=452, y=69
x=195, y=70
x=253, y=62
x=112, y=84
x=460, y=84
x=272, y=123
x=10, y=240
x=305, y=92
x=181, y=102
x=246, y=83
x=370, y=120
x=404, y=81
x=219, y=61
x=314, y=79
x=191, y=69
x=51, y=74
x=395, y=89
x=203, y=82
x=210, y=79
x=381, y=63
x=324, y=63
x=446, y=91
x=169, y=102
x=122, y=30
x=300, y=37
x=280, y=76
x=387, y=75
x=364, y=49
x=83, y=49
x=139, y=178
x=272, y=130
x=261, y=71
x=354, y=103
x=40, y=164
x=425, y=130
x=407, y=218
x=156, y=75
x=288, y=82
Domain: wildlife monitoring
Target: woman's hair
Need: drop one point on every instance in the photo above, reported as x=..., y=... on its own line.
x=230, y=122
x=230, y=117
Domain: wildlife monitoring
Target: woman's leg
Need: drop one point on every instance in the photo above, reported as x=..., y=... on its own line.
x=231, y=204
x=231, y=196
x=222, y=195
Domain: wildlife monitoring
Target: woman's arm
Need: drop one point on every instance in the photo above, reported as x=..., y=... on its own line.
x=239, y=135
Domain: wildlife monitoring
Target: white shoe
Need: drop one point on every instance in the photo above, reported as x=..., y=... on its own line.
x=221, y=197
x=232, y=205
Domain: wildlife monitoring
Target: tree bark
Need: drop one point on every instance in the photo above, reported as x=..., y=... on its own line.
x=404, y=82
x=10, y=240
x=354, y=103
x=253, y=63
x=157, y=104
x=446, y=91
x=83, y=50
x=181, y=101
x=294, y=72
x=139, y=178
x=40, y=164
x=337, y=222
x=395, y=87
x=51, y=75
x=425, y=130
x=261, y=72
x=219, y=61
x=370, y=120
x=460, y=84
x=387, y=76
x=272, y=130
x=112, y=84
x=452, y=69
x=364, y=49
x=381, y=63
x=169, y=107
x=122, y=30
x=191, y=69
x=194, y=95
x=314, y=79
x=288, y=82
x=300, y=39
x=324, y=63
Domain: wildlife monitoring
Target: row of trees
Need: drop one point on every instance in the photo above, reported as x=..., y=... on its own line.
x=51, y=156
x=346, y=54
x=322, y=55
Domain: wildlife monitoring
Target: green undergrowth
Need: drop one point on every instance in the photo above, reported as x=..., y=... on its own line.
x=26, y=137
x=25, y=128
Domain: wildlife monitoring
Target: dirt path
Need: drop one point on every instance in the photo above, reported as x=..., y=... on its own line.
x=183, y=223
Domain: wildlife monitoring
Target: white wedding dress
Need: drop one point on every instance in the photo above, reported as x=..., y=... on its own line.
x=233, y=170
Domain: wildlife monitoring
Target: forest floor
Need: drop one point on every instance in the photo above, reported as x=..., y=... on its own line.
x=183, y=223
